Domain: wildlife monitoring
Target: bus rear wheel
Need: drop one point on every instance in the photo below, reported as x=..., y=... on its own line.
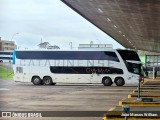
x=107, y=81
x=47, y=80
x=119, y=81
x=36, y=80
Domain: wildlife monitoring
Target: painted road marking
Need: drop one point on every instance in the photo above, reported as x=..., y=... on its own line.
x=4, y=89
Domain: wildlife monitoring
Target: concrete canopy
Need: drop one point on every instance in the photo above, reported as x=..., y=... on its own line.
x=134, y=24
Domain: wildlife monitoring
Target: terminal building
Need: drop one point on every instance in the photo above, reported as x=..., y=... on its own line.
x=151, y=62
x=6, y=45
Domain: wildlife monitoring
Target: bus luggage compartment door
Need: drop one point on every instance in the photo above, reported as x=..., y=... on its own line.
x=94, y=78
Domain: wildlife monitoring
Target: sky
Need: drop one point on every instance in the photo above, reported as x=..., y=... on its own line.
x=47, y=20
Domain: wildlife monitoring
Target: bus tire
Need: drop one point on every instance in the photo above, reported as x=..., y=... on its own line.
x=119, y=81
x=36, y=80
x=107, y=81
x=47, y=80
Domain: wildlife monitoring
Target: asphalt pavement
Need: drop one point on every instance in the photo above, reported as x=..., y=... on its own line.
x=61, y=97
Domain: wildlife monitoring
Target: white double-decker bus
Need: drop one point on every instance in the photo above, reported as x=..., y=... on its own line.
x=80, y=66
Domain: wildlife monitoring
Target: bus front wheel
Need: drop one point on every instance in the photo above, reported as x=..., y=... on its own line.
x=107, y=81
x=47, y=80
x=119, y=81
x=36, y=80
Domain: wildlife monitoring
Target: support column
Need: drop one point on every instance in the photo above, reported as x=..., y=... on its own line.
x=153, y=72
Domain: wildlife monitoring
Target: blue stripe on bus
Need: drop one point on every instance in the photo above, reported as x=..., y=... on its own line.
x=14, y=57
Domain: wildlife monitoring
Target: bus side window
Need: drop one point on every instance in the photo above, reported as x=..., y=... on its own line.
x=19, y=70
x=111, y=56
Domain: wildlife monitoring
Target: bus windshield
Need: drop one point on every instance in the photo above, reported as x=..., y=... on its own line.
x=129, y=55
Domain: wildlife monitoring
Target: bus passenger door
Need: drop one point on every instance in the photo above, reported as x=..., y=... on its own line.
x=26, y=73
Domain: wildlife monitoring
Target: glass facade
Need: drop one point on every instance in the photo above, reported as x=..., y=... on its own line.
x=153, y=60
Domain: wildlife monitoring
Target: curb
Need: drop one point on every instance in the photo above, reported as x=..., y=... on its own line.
x=138, y=103
x=142, y=96
x=150, y=90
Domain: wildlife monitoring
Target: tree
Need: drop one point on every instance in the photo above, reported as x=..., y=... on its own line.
x=47, y=45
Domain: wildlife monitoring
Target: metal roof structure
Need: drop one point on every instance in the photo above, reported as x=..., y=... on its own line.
x=134, y=24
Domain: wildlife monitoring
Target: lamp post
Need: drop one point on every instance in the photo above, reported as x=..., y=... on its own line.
x=14, y=36
x=70, y=45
